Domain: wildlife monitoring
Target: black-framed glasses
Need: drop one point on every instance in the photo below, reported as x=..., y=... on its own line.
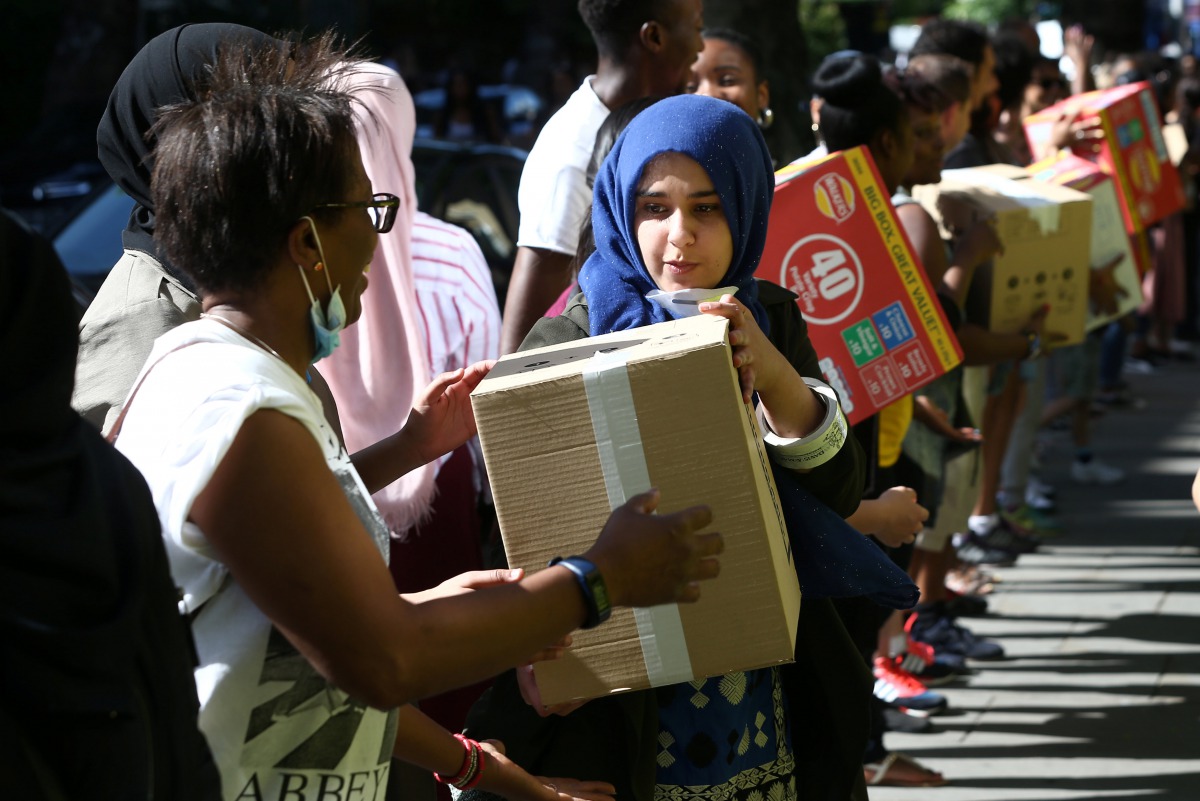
x=382, y=208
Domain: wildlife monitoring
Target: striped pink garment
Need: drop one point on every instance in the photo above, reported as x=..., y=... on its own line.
x=457, y=302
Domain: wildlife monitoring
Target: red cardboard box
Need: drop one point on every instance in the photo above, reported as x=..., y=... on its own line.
x=1133, y=150
x=834, y=240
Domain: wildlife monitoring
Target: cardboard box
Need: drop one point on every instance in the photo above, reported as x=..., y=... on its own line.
x=570, y=432
x=1133, y=151
x=1109, y=239
x=1176, y=141
x=875, y=321
x=1046, y=231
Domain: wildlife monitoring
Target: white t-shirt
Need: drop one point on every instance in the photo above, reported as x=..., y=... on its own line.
x=554, y=197
x=277, y=729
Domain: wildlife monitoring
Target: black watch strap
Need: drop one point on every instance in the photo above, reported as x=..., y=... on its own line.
x=595, y=592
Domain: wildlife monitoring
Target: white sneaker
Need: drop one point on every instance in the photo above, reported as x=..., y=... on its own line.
x=1095, y=472
x=1038, y=501
x=983, y=525
x=1040, y=487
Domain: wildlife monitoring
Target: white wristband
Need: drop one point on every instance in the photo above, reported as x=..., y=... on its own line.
x=802, y=453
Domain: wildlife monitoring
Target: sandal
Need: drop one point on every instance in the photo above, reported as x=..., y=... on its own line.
x=970, y=581
x=901, y=770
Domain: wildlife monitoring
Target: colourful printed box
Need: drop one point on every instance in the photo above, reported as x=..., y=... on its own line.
x=874, y=319
x=1133, y=151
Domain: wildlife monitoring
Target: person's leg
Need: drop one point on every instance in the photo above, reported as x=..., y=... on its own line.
x=999, y=414
x=1086, y=468
x=1018, y=459
x=928, y=571
x=1112, y=355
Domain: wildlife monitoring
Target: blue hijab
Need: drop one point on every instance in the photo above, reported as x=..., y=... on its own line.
x=832, y=559
x=729, y=146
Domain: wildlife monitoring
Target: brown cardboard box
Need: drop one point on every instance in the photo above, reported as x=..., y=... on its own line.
x=1109, y=239
x=1046, y=231
x=570, y=432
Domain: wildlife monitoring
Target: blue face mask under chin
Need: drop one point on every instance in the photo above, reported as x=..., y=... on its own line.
x=327, y=323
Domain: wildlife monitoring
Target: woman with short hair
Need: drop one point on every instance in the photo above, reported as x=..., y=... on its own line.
x=308, y=656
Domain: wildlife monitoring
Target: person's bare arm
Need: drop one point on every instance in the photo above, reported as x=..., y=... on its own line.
x=791, y=409
x=422, y=742
x=276, y=516
x=1196, y=491
x=983, y=347
x=978, y=244
x=441, y=419
x=1077, y=45
x=539, y=276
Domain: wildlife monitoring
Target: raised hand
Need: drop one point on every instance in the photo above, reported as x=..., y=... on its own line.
x=442, y=419
x=758, y=362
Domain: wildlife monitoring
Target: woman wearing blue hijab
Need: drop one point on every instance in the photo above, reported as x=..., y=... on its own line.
x=680, y=218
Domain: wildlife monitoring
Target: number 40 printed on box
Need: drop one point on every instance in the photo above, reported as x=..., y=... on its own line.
x=833, y=240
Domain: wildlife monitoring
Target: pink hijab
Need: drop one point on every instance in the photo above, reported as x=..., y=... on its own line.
x=381, y=364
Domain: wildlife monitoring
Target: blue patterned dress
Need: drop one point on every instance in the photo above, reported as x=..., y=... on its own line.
x=725, y=739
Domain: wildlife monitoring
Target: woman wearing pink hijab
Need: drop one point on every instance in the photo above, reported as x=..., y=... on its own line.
x=381, y=363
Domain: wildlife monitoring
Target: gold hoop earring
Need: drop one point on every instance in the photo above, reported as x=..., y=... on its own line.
x=766, y=118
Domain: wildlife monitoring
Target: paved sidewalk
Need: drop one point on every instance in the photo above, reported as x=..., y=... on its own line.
x=1100, y=694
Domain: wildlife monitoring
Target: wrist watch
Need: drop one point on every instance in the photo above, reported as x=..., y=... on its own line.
x=1035, y=344
x=595, y=591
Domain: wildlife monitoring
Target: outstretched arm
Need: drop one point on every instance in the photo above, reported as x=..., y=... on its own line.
x=440, y=421
x=278, y=518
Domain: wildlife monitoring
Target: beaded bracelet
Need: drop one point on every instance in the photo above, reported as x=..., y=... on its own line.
x=472, y=768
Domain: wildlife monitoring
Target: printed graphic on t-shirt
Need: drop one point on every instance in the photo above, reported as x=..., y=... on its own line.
x=364, y=507
x=305, y=736
x=303, y=721
x=302, y=730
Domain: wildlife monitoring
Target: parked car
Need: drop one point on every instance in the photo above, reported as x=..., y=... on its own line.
x=471, y=185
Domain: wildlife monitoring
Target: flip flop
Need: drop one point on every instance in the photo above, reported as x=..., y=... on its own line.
x=901, y=770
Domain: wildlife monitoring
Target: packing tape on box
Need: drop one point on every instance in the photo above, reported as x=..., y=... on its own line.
x=623, y=460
